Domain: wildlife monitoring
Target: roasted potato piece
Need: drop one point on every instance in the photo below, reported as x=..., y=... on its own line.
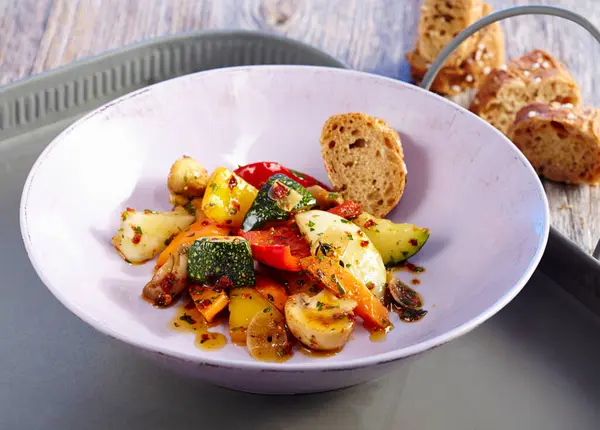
x=142, y=235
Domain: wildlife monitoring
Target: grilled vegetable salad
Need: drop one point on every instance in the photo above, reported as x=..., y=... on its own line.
x=285, y=259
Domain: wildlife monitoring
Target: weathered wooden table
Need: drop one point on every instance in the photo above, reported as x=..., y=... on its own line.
x=369, y=35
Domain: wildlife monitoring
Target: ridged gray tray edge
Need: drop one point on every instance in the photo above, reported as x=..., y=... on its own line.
x=84, y=85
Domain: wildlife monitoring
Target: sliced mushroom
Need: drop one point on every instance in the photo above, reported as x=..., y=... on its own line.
x=267, y=336
x=404, y=295
x=169, y=279
x=406, y=302
x=322, y=322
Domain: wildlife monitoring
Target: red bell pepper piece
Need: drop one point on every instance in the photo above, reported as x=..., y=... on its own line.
x=257, y=174
x=348, y=210
x=280, y=246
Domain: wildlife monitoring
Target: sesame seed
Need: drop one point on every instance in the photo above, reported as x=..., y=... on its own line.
x=456, y=88
x=532, y=114
x=504, y=67
x=526, y=73
x=571, y=116
x=568, y=106
x=486, y=56
x=535, y=66
x=480, y=63
x=537, y=80
x=481, y=46
x=487, y=70
x=469, y=78
x=545, y=64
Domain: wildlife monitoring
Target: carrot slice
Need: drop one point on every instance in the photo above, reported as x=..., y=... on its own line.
x=209, y=302
x=271, y=291
x=343, y=284
x=193, y=232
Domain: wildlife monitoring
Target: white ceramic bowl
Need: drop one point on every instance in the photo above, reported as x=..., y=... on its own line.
x=484, y=204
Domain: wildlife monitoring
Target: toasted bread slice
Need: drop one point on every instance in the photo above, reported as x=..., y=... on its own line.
x=562, y=142
x=364, y=160
x=489, y=53
x=535, y=77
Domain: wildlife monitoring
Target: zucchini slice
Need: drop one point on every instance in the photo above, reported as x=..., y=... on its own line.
x=325, y=230
x=395, y=242
x=225, y=261
x=276, y=200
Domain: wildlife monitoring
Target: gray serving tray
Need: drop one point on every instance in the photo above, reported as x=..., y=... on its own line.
x=532, y=366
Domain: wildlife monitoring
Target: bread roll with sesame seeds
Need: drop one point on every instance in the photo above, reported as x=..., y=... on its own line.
x=489, y=53
x=441, y=21
x=534, y=77
x=561, y=141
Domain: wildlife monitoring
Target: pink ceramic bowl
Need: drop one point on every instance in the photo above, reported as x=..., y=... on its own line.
x=484, y=204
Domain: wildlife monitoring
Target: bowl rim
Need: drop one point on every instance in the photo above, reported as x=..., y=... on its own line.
x=317, y=364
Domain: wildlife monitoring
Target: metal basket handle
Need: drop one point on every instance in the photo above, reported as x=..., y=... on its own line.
x=437, y=64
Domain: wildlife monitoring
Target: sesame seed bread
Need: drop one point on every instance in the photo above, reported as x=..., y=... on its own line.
x=534, y=77
x=441, y=21
x=562, y=142
x=364, y=161
x=489, y=53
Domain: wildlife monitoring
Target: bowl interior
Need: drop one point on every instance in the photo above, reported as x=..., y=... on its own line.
x=482, y=201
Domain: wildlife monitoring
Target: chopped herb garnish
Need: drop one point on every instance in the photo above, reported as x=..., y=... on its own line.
x=190, y=209
x=187, y=318
x=138, y=230
x=269, y=309
x=333, y=196
x=321, y=306
x=270, y=297
x=345, y=221
x=324, y=248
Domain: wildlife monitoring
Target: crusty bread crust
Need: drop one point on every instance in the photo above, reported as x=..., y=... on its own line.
x=441, y=21
x=364, y=161
x=535, y=77
x=561, y=141
x=489, y=53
